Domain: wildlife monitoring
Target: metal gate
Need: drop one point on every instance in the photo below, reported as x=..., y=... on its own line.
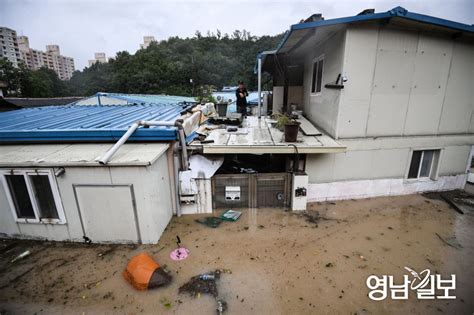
x=256, y=190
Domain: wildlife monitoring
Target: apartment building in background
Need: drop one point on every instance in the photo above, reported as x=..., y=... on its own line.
x=9, y=45
x=147, y=40
x=51, y=58
x=98, y=57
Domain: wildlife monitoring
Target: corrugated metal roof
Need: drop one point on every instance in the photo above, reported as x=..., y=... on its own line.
x=76, y=123
x=79, y=154
x=103, y=98
x=43, y=101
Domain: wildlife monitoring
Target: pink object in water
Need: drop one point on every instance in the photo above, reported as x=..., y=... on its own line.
x=179, y=253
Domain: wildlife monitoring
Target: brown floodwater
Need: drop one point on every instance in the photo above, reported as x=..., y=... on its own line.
x=280, y=263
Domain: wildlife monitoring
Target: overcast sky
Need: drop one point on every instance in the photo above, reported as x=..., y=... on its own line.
x=84, y=27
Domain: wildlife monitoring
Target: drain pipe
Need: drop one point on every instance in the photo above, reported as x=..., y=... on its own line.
x=176, y=179
x=178, y=124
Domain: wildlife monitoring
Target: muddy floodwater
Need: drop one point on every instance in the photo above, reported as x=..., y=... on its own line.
x=280, y=263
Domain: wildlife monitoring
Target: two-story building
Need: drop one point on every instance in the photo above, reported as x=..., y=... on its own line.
x=396, y=88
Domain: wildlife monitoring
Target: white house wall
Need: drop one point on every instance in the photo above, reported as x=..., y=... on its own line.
x=323, y=109
x=405, y=83
x=151, y=186
x=295, y=96
x=376, y=167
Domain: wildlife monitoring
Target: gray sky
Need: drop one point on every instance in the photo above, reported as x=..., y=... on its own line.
x=84, y=27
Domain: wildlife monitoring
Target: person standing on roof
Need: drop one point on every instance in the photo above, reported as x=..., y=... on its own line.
x=241, y=94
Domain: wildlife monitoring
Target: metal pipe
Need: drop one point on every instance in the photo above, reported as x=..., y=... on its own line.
x=106, y=157
x=184, y=151
x=182, y=138
x=171, y=175
x=178, y=124
x=176, y=179
x=259, y=87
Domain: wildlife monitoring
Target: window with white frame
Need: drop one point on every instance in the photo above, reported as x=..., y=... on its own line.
x=423, y=164
x=317, y=79
x=33, y=195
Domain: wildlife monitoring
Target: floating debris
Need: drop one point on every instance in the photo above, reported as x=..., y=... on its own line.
x=204, y=283
x=21, y=256
x=451, y=241
x=165, y=302
x=221, y=307
x=231, y=215
x=196, y=286
x=144, y=273
x=212, y=222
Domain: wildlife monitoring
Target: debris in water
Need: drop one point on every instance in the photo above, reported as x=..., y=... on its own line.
x=221, y=307
x=450, y=200
x=314, y=217
x=144, y=273
x=452, y=241
x=179, y=254
x=212, y=222
x=207, y=276
x=231, y=215
x=109, y=250
x=204, y=283
x=165, y=302
x=196, y=286
x=22, y=255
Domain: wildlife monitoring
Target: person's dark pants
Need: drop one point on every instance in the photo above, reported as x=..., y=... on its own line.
x=242, y=109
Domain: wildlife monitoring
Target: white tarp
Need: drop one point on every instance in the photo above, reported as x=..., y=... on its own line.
x=204, y=166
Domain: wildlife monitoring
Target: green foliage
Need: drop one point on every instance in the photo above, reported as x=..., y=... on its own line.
x=43, y=83
x=22, y=82
x=12, y=78
x=283, y=119
x=167, y=67
x=211, y=60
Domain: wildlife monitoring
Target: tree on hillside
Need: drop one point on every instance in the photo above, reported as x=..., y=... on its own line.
x=214, y=59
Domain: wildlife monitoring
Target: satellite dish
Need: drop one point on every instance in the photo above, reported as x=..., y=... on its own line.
x=219, y=97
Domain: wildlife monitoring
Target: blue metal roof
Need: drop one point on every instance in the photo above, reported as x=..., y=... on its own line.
x=398, y=12
x=77, y=123
x=103, y=98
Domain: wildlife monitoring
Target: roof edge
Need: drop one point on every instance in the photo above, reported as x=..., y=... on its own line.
x=395, y=12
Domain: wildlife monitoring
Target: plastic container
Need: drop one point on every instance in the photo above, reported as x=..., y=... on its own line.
x=291, y=132
x=222, y=109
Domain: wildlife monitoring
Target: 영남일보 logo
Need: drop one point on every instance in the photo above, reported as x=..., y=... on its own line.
x=426, y=285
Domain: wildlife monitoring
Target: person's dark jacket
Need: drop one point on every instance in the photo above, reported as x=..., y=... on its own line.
x=241, y=101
